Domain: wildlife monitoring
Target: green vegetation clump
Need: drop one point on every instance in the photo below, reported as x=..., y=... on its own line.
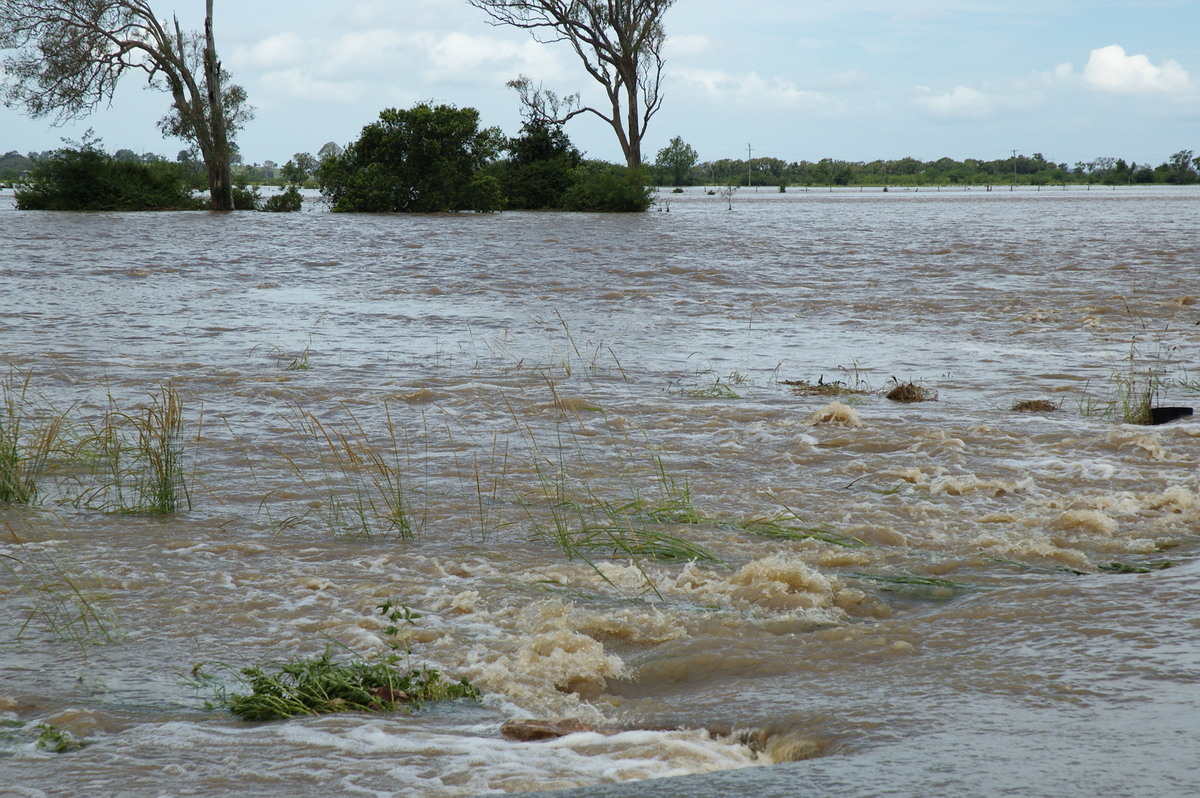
x=603, y=187
x=13, y=164
x=540, y=168
x=287, y=201
x=86, y=179
x=59, y=741
x=544, y=171
x=428, y=159
x=323, y=685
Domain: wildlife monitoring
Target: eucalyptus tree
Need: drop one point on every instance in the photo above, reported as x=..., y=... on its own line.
x=620, y=44
x=67, y=57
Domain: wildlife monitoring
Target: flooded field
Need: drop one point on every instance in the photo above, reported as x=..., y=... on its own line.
x=637, y=472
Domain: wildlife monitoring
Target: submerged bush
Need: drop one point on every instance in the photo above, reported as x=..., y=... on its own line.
x=540, y=169
x=427, y=159
x=87, y=179
x=287, y=201
x=604, y=187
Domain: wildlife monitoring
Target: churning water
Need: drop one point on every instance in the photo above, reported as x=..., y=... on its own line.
x=632, y=498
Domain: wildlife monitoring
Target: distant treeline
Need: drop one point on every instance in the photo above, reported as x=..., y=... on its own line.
x=1021, y=170
x=1035, y=170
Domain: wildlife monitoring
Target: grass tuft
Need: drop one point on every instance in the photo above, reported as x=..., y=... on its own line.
x=61, y=594
x=781, y=526
x=23, y=454
x=323, y=685
x=362, y=486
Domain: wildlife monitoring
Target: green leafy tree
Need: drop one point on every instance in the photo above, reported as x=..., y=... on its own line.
x=620, y=44
x=300, y=168
x=67, y=56
x=677, y=158
x=425, y=160
x=540, y=168
x=1179, y=168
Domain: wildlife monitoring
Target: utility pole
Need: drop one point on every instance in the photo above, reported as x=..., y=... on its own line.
x=749, y=150
x=1014, y=182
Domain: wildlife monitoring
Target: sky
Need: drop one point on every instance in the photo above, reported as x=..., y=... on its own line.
x=855, y=80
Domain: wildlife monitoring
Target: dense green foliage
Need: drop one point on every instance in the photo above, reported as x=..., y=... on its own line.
x=1020, y=170
x=286, y=201
x=604, y=187
x=86, y=179
x=540, y=168
x=323, y=685
x=424, y=160
x=13, y=164
x=544, y=171
x=677, y=159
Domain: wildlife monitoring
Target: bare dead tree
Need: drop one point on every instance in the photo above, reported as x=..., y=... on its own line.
x=620, y=43
x=68, y=56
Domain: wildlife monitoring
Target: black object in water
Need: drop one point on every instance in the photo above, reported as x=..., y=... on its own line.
x=1161, y=415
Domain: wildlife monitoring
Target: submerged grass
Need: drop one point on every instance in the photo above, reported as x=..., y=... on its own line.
x=362, y=487
x=24, y=452
x=61, y=594
x=136, y=458
x=783, y=526
x=323, y=685
x=923, y=587
x=1141, y=381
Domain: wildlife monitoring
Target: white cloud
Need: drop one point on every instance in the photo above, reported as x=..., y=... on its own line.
x=961, y=102
x=276, y=52
x=466, y=58
x=1109, y=69
x=687, y=46
x=751, y=89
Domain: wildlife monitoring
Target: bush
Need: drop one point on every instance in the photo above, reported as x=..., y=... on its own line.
x=246, y=198
x=424, y=160
x=86, y=179
x=287, y=201
x=603, y=187
x=540, y=169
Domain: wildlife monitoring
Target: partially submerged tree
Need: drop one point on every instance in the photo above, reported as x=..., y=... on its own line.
x=541, y=167
x=424, y=160
x=68, y=56
x=620, y=43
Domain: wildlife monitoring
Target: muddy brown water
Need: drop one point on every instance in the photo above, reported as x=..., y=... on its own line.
x=970, y=612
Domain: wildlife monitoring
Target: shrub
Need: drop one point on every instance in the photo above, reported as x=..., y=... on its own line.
x=287, y=201
x=86, y=179
x=423, y=160
x=603, y=187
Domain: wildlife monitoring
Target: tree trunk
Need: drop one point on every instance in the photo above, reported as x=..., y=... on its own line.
x=220, y=180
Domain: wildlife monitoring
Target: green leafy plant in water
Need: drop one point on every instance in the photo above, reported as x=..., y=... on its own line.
x=324, y=685
x=59, y=741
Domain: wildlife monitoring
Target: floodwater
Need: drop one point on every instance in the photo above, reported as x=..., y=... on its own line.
x=618, y=504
